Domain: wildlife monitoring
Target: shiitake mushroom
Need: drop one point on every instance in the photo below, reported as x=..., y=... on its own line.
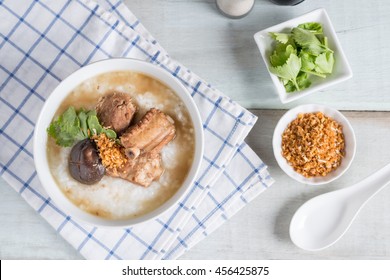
x=85, y=164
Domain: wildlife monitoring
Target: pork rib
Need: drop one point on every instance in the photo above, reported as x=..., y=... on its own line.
x=142, y=171
x=149, y=135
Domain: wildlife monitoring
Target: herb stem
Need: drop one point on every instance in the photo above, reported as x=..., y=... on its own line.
x=314, y=73
x=295, y=83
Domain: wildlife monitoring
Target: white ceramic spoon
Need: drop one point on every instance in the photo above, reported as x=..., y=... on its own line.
x=324, y=219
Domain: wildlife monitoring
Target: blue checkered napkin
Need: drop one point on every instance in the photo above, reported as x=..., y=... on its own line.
x=222, y=203
x=42, y=42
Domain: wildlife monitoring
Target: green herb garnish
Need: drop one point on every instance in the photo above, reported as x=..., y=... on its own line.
x=74, y=126
x=300, y=54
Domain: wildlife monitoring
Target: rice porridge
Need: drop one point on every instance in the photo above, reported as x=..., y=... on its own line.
x=115, y=198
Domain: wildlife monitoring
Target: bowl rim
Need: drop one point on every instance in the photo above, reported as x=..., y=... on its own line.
x=349, y=136
x=62, y=90
x=332, y=35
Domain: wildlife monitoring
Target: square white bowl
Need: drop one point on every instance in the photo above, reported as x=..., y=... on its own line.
x=341, y=69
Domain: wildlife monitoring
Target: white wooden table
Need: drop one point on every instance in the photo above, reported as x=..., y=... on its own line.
x=223, y=52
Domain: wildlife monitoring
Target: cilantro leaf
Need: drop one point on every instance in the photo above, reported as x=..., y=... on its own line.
x=290, y=87
x=66, y=128
x=94, y=126
x=72, y=126
x=324, y=63
x=109, y=132
x=313, y=27
x=308, y=61
x=290, y=70
x=304, y=37
x=280, y=37
x=302, y=81
x=308, y=41
x=82, y=115
x=91, y=113
x=281, y=54
x=325, y=41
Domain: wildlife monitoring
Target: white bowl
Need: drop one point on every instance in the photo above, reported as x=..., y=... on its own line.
x=60, y=93
x=341, y=70
x=349, y=138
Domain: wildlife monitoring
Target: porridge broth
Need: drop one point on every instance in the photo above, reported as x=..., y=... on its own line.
x=115, y=198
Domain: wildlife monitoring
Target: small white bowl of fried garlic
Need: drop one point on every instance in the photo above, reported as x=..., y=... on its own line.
x=314, y=144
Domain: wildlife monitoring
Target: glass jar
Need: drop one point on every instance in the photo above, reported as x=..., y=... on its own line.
x=235, y=8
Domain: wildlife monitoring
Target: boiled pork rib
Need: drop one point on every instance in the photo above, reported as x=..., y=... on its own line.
x=149, y=135
x=143, y=143
x=142, y=171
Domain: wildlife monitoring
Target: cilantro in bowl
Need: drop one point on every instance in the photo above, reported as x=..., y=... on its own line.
x=300, y=54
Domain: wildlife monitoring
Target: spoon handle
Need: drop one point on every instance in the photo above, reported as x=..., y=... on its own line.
x=374, y=183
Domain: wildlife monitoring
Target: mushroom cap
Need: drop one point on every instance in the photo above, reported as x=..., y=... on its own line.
x=85, y=164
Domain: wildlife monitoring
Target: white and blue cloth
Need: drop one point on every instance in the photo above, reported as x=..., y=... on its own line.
x=41, y=43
